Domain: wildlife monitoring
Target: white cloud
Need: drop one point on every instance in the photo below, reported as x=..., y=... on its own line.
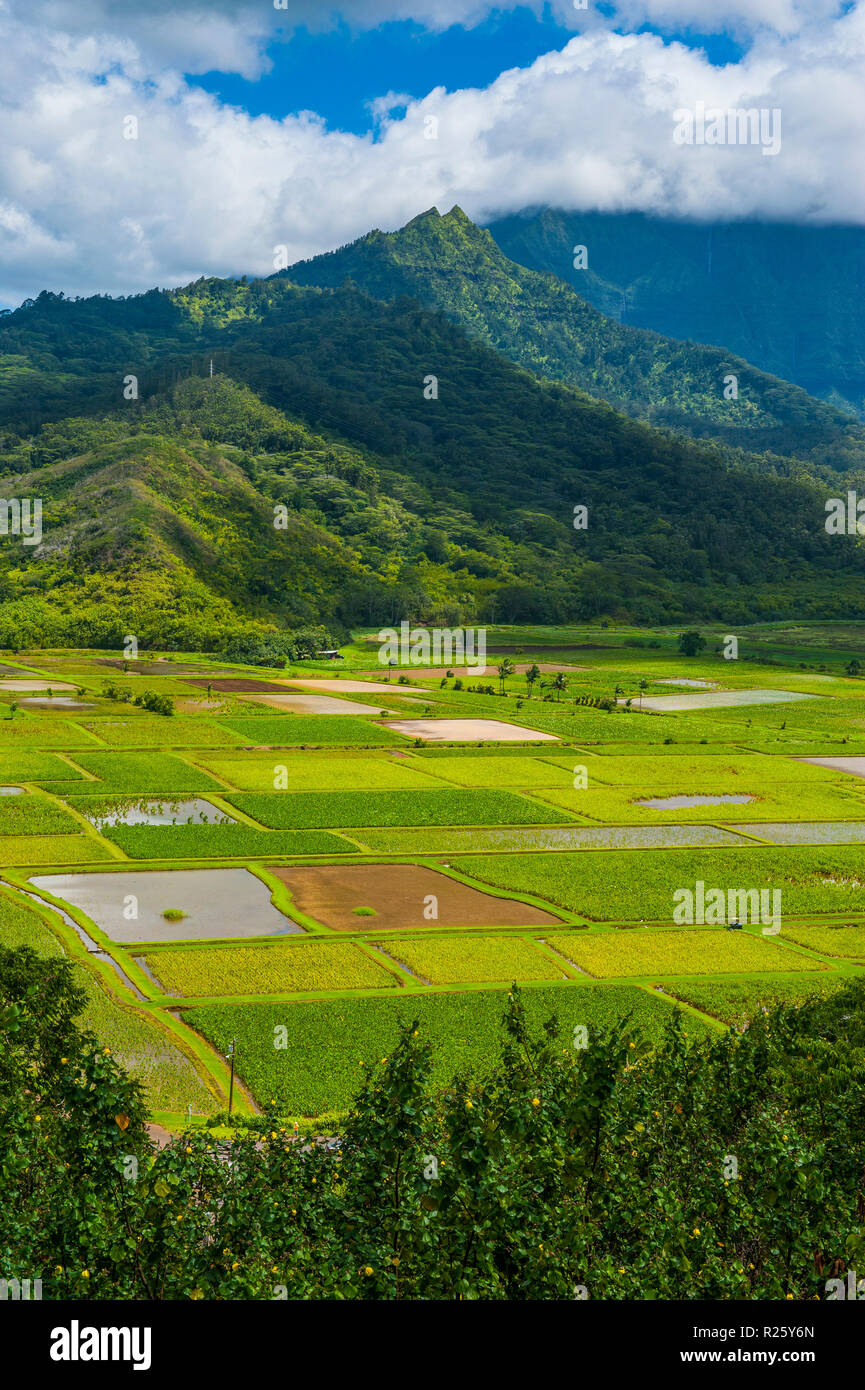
x=207, y=189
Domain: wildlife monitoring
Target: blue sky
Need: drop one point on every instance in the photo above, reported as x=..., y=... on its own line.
x=338, y=74
x=153, y=142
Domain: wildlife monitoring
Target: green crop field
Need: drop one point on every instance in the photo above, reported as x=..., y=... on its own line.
x=293, y=731
x=35, y=815
x=697, y=951
x=26, y=766
x=829, y=940
x=738, y=1000
x=141, y=772
x=292, y=967
x=142, y=731
x=219, y=842
x=452, y=960
x=30, y=731
x=347, y=1035
x=638, y=886
x=51, y=849
x=305, y=772
x=768, y=801
x=517, y=771
x=439, y=807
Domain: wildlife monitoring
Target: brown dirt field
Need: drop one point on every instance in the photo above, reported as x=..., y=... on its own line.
x=227, y=683
x=330, y=892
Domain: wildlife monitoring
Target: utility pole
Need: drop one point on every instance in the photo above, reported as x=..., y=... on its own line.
x=230, y=1058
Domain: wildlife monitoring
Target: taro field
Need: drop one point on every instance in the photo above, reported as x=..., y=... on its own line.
x=295, y=862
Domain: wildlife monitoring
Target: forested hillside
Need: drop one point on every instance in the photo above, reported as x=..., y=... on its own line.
x=321, y=477
x=786, y=297
x=539, y=321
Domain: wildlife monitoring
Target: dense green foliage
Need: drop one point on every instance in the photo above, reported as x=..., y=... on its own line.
x=311, y=486
x=538, y=320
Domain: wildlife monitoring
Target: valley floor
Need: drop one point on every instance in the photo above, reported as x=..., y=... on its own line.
x=293, y=867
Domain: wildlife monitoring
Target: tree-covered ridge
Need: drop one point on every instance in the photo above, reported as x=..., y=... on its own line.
x=161, y=513
x=786, y=297
x=538, y=320
x=390, y=501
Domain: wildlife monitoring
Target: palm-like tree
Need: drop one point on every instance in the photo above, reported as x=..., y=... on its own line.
x=532, y=674
x=506, y=669
x=644, y=685
x=560, y=683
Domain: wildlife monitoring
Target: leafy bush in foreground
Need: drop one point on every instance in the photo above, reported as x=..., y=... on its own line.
x=726, y=1168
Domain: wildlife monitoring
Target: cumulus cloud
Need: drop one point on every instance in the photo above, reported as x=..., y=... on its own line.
x=208, y=189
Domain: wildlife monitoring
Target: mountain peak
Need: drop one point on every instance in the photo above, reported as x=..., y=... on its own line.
x=431, y=215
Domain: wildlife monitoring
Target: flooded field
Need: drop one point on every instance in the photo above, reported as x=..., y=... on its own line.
x=213, y=903
x=194, y=811
x=350, y=687
x=547, y=837
x=54, y=702
x=845, y=832
x=675, y=803
x=722, y=699
x=854, y=766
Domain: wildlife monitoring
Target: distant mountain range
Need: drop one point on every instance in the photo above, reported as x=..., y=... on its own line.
x=401, y=429
x=536, y=318
x=790, y=299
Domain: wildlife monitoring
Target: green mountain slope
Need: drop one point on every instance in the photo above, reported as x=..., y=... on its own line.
x=538, y=320
x=159, y=510
x=787, y=298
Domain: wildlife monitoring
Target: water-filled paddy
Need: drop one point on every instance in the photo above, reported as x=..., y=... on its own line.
x=349, y=687
x=552, y=837
x=854, y=766
x=694, y=685
x=721, y=699
x=847, y=832
x=675, y=803
x=195, y=811
x=55, y=702
x=215, y=903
